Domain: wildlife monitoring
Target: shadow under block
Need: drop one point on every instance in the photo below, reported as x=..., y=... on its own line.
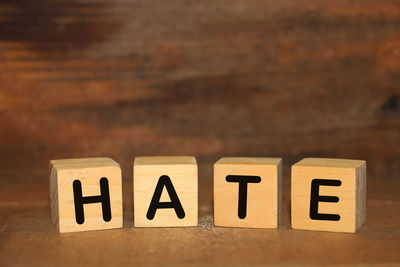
x=165, y=181
x=79, y=194
x=263, y=202
x=343, y=198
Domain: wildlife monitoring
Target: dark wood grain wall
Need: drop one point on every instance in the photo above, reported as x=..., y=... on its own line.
x=207, y=78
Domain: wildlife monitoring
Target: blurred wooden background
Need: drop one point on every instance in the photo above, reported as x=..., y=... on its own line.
x=205, y=78
x=216, y=78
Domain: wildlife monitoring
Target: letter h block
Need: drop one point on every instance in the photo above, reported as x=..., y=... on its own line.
x=165, y=192
x=328, y=194
x=247, y=192
x=85, y=194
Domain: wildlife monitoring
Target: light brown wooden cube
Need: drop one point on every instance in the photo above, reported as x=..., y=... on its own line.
x=165, y=191
x=255, y=203
x=328, y=194
x=85, y=194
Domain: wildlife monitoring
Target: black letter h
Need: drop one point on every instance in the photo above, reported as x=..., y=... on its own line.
x=79, y=200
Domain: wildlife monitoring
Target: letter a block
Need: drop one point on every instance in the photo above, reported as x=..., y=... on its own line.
x=328, y=194
x=85, y=194
x=247, y=192
x=165, y=191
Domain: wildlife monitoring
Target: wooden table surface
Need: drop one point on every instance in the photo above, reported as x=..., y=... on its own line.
x=212, y=78
x=27, y=236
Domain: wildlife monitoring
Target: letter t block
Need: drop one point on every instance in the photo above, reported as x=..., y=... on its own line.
x=328, y=194
x=247, y=192
x=85, y=194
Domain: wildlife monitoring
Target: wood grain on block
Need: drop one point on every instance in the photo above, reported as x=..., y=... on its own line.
x=85, y=194
x=165, y=191
x=261, y=207
x=328, y=194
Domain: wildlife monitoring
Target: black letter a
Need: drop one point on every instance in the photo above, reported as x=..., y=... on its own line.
x=155, y=201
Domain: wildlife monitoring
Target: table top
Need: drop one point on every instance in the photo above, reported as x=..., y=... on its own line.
x=27, y=236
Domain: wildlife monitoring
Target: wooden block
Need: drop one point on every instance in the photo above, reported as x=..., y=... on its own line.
x=85, y=194
x=328, y=194
x=247, y=192
x=165, y=191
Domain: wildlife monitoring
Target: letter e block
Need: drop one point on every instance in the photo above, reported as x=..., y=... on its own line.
x=247, y=192
x=328, y=194
x=165, y=191
x=85, y=194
